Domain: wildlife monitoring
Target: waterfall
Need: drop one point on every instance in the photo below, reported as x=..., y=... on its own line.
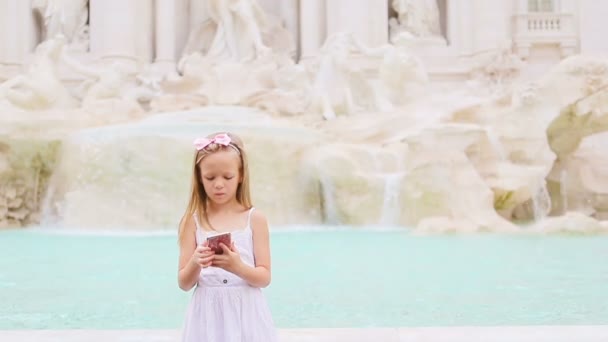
x=563, y=189
x=390, y=206
x=496, y=144
x=541, y=203
x=328, y=203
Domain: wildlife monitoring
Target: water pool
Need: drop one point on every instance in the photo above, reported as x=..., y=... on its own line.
x=51, y=280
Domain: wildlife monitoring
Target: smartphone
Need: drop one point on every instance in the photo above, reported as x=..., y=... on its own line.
x=215, y=240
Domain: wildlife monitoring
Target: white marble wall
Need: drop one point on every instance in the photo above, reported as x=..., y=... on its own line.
x=156, y=30
x=464, y=17
x=593, y=27
x=497, y=18
x=367, y=20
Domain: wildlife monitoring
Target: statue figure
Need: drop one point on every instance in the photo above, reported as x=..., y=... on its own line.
x=114, y=81
x=497, y=68
x=418, y=17
x=66, y=17
x=40, y=88
x=341, y=86
x=232, y=32
x=237, y=30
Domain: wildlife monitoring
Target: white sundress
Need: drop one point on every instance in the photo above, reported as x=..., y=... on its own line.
x=224, y=308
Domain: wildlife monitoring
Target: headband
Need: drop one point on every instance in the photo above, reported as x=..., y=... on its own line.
x=220, y=139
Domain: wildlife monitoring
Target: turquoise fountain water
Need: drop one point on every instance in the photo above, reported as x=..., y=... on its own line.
x=53, y=279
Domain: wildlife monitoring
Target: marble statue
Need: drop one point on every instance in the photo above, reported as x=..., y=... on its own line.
x=340, y=86
x=418, y=17
x=114, y=81
x=232, y=32
x=237, y=31
x=40, y=88
x=498, y=67
x=66, y=17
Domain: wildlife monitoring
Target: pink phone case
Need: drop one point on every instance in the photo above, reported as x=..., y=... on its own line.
x=214, y=242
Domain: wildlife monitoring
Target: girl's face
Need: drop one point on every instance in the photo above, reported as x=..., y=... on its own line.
x=220, y=175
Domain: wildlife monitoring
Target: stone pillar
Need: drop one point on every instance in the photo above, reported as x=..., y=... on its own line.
x=122, y=30
x=170, y=31
x=290, y=16
x=366, y=19
x=18, y=36
x=182, y=26
x=312, y=26
x=165, y=33
x=459, y=18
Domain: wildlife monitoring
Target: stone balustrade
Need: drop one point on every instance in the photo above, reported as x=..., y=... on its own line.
x=544, y=28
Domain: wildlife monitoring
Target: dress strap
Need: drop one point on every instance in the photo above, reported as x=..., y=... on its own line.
x=198, y=224
x=199, y=231
x=249, y=217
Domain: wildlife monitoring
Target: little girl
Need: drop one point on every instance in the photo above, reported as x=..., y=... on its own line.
x=228, y=304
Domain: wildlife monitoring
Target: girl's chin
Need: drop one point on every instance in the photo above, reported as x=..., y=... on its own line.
x=220, y=199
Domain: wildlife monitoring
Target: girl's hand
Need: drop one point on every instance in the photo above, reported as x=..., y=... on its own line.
x=202, y=256
x=230, y=260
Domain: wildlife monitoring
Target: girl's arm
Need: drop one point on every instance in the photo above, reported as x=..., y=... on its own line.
x=188, y=270
x=258, y=276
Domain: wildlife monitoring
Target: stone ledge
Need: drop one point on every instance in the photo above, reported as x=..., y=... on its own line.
x=427, y=334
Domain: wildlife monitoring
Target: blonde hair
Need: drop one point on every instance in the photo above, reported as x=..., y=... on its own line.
x=197, y=205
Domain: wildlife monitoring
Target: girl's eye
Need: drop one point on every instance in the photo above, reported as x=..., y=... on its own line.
x=229, y=177
x=209, y=178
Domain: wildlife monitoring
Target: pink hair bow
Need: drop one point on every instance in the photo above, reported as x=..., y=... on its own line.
x=220, y=139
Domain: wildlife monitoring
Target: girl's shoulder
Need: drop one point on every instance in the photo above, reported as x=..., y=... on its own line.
x=257, y=216
x=258, y=220
x=188, y=222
